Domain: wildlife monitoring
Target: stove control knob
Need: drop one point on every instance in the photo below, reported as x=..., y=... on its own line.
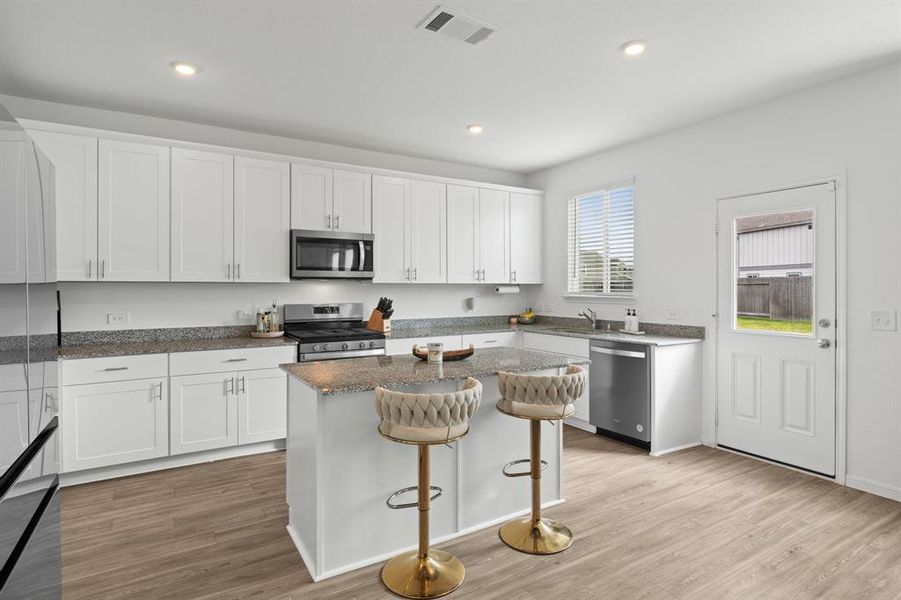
x=315, y=347
x=362, y=345
x=344, y=346
x=325, y=346
x=372, y=344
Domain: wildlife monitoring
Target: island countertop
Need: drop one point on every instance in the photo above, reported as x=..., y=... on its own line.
x=364, y=374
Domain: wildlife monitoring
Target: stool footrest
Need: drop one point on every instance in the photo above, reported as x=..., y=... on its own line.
x=521, y=461
x=390, y=501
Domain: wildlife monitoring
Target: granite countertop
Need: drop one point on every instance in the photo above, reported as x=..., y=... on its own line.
x=363, y=374
x=165, y=346
x=574, y=331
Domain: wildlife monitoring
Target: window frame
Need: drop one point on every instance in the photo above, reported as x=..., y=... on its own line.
x=626, y=298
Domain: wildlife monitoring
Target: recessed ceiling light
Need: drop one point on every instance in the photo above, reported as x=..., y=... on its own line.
x=634, y=47
x=475, y=129
x=185, y=69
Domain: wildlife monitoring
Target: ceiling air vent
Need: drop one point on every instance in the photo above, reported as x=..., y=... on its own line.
x=446, y=21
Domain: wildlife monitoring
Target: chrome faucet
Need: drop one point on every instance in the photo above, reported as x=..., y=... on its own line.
x=591, y=316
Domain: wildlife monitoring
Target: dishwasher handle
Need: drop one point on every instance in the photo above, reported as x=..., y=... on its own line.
x=614, y=352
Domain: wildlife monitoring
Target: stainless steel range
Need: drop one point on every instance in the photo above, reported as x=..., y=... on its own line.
x=327, y=331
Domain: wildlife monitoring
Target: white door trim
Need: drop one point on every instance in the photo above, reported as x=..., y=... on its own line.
x=841, y=313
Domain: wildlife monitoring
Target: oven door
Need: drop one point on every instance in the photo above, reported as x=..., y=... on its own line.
x=331, y=255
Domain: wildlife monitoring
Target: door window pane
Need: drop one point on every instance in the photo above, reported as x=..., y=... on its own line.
x=774, y=272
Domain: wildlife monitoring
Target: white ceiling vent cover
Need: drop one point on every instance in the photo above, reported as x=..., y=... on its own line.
x=458, y=26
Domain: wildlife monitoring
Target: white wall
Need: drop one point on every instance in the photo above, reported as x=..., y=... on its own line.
x=849, y=127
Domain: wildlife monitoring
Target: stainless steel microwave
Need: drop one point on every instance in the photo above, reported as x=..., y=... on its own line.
x=331, y=255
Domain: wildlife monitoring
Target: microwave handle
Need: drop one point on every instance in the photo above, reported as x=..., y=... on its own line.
x=362, y=255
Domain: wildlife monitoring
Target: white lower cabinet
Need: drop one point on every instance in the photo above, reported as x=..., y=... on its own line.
x=262, y=405
x=13, y=426
x=112, y=423
x=203, y=412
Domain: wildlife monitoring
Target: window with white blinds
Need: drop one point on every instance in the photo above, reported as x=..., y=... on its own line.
x=602, y=242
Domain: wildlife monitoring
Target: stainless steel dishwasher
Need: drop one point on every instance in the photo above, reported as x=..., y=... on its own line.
x=620, y=386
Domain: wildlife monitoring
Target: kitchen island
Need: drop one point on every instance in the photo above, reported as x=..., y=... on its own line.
x=340, y=470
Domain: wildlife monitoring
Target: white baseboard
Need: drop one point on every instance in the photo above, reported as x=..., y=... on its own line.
x=580, y=424
x=311, y=567
x=676, y=449
x=167, y=462
x=874, y=487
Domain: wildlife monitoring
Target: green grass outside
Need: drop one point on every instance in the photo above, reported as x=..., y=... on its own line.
x=764, y=324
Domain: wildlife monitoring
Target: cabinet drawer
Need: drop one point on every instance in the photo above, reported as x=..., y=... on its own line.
x=113, y=368
x=555, y=343
x=241, y=359
x=491, y=340
x=405, y=345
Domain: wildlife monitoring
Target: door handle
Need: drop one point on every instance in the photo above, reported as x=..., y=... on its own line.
x=824, y=323
x=823, y=343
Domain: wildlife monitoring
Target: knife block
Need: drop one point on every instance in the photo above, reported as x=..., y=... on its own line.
x=378, y=323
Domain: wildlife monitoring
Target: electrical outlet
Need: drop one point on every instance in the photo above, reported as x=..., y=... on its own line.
x=245, y=315
x=670, y=314
x=117, y=318
x=883, y=320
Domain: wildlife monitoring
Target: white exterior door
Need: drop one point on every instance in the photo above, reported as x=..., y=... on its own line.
x=391, y=226
x=525, y=238
x=262, y=405
x=262, y=220
x=204, y=412
x=352, y=202
x=203, y=212
x=494, y=235
x=428, y=213
x=74, y=159
x=113, y=423
x=776, y=326
x=311, y=197
x=462, y=234
x=133, y=211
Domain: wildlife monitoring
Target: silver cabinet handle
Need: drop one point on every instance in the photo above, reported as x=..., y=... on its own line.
x=103, y=269
x=238, y=271
x=481, y=274
x=611, y=351
x=328, y=221
x=159, y=391
x=513, y=273
x=90, y=268
x=228, y=270
x=243, y=384
x=490, y=342
x=337, y=221
x=415, y=273
x=235, y=360
x=823, y=343
x=116, y=369
x=229, y=385
x=407, y=273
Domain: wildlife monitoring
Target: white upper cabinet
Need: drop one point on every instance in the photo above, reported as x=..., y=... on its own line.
x=74, y=159
x=525, y=238
x=462, y=234
x=12, y=206
x=330, y=200
x=391, y=226
x=133, y=211
x=37, y=259
x=494, y=227
x=203, y=213
x=262, y=220
x=428, y=210
x=311, y=197
x=352, y=201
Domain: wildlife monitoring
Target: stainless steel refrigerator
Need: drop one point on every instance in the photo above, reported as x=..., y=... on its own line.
x=29, y=338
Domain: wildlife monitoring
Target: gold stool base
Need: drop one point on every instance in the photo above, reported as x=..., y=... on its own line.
x=546, y=537
x=411, y=577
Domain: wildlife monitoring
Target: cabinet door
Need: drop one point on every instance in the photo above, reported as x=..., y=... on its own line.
x=428, y=212
x=204, y=412
x=494, y=235
x=311, y=198
x=390, y=217
x=203, y=212
x=525, y=238
x=113, y=423
x=133, y=211
x=37, y=260
x=262, y=220
x=74, y=159
x=13, y=426
x=13, y=248
x=462, y=234
x=352, y=202
x=262, y=405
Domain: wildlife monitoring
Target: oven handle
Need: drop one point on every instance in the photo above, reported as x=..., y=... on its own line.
x=311, y=356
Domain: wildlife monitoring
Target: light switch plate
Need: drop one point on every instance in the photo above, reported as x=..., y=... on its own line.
x=883, y=320
x=117, y=318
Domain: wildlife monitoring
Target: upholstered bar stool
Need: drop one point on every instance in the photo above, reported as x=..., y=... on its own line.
x=424, y=420
x=537, y=398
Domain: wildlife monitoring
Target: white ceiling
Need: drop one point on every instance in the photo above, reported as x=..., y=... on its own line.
x=549, y=86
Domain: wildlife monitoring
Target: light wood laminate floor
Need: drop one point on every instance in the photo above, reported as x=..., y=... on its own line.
x=697, y=524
